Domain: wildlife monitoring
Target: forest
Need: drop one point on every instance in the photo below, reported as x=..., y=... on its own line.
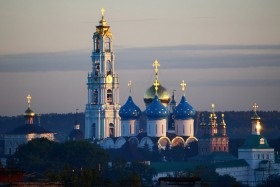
x=238, y=123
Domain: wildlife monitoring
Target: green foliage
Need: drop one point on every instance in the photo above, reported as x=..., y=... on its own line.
x=272, y=181
x=209, y=178
x=41, y=155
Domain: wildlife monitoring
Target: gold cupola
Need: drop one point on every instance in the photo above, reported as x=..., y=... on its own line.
x=161, y=91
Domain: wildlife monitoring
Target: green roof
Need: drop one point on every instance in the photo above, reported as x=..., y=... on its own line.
x=230, y=164
x=173, y=166
x=254, y=142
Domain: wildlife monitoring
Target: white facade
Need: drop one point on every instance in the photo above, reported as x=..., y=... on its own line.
x=156, y=128
x=184, y=127
x=129, y=127
x=255, y=156
x=12, y=141
x=102, y=110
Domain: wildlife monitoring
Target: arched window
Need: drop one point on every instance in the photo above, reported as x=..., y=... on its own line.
x=109, y=96
x=109, y=67
x=111, y=130
x=95, y=97
x=129, y=128
x=107, y=44
x=93, y=130
x=97, y=44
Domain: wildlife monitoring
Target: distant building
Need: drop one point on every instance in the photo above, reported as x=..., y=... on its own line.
x=214, y=137
x=256, y=158
x=26, y=132
x=76, y=133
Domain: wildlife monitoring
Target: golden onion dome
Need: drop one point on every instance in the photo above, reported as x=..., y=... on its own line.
x=162, y=93
x=29, y=113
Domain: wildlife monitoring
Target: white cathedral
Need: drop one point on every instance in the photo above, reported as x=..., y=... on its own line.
x=112, y=125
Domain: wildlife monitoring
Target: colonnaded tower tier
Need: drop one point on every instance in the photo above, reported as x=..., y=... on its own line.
x=102, y=109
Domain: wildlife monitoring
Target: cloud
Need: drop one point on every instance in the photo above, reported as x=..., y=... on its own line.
x=171, y=57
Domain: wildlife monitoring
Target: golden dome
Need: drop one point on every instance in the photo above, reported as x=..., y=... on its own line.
x=162, y=93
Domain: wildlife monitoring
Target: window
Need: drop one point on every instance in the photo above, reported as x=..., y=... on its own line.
x=109, y=67
x=111, y=130
x=162, y=129
x=97, y=44
x=95, y=97
x=93, y=130
x=261, y=141
x=109, y=96
x=107, y=44
x=129, y=128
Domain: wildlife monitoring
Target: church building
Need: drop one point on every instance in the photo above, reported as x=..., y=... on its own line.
x=26, y=132
x=102, y=118
x=112, y=125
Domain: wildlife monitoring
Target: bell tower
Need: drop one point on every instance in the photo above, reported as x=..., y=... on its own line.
x=102, y=109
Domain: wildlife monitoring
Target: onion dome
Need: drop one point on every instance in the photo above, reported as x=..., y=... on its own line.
x=156, y=110
x=162, y=94
x=184, y=110
x=129, y=110
x=29, y=113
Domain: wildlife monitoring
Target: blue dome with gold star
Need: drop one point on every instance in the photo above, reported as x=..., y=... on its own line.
x=129, y=110
x=184, y=110
x=156, y=110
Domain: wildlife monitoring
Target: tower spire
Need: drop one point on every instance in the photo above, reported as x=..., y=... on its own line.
x=156, y=84
x=256, y=126
x=28, y=100
x=129, y=86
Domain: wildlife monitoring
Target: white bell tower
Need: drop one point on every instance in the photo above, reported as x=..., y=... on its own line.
x=102, y=110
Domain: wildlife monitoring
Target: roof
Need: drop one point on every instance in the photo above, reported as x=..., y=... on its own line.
x=173, y=166
x=255, y=141
x=29, y=129
x=129, y=110
x=231, y=164
x=216, y=156
x=184, y=110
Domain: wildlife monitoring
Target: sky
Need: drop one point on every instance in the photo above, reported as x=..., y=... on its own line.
x=228, y=52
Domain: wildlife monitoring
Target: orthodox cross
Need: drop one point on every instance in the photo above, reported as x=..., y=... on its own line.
x=156, y=84
x=129, y=86
x=102, y=11
x=156, y=65
x=255, y=106
x=183, y=85
x=28, y=100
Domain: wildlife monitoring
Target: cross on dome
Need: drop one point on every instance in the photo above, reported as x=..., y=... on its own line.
x=129, y=86
x=183, y=85
x=156, y=64
x=156, y=84
x=213, y=107
x=28, y=99
x=102, y=11
x=255, y=106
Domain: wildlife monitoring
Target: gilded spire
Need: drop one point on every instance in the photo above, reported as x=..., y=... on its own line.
x=213, y=115
x=102, y=21
x=28, y=100
x=255, y=115
x=156, y=64
x=223, y=123
x=183, y=85
x=129, y=86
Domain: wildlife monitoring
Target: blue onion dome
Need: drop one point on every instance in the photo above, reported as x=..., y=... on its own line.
x=184, y=110
x=129, y=110
x=156, y=110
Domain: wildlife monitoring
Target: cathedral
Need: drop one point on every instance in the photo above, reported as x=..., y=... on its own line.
x=113, y=125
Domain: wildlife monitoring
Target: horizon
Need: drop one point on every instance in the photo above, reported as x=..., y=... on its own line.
x=228, y=53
